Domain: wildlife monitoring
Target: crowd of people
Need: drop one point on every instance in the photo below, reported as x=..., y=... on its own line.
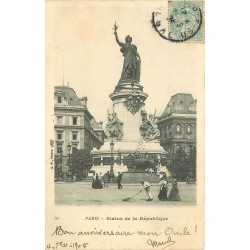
x=100, y=181
x=163, y=193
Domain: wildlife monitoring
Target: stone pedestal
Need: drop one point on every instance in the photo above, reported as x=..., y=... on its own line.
x=128, y=103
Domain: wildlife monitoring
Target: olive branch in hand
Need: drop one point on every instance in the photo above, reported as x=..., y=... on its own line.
x=115, y=27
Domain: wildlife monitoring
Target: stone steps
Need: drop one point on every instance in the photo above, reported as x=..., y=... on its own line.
x=87, y=179
x=135, y=178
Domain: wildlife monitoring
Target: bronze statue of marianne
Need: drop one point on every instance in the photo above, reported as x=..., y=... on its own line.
x=132, y=61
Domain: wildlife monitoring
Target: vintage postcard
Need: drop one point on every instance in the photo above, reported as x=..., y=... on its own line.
x=125, y=124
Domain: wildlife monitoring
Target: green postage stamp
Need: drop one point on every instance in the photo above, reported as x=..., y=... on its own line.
x=180, y=21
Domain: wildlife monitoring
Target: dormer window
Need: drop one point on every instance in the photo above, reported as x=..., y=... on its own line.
x=178, y=128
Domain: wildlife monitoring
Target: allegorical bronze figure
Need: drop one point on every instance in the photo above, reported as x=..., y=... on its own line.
x=132, y=61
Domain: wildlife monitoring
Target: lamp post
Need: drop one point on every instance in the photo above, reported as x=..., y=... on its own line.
x=60, y=178
x=112, y=176
x=69, y=175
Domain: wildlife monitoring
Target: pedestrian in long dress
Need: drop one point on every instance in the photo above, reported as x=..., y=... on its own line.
x=174, y=193
x=163, y=194
x=146, y=187
x=97, y=183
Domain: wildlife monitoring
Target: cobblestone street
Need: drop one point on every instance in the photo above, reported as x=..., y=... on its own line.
x=80, y=193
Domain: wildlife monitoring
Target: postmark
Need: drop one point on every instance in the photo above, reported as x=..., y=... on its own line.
x=180, y=21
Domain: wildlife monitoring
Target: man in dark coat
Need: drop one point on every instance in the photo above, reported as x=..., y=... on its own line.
x=119, y=179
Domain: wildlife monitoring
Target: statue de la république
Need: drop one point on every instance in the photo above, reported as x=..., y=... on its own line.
x=132, y=61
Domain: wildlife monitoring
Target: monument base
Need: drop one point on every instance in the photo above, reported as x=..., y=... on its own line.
x=102, y=158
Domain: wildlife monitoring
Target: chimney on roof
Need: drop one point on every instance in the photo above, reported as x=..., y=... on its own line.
x=84, y=101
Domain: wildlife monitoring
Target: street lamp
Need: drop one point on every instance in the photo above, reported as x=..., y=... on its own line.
x=60, y=178
x=112, y=176
x=70, y=176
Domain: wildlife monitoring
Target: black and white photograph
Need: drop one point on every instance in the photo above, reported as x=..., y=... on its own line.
x=125, y=85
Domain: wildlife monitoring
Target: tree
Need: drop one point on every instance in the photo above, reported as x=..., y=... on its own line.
x=138, y=162
x=180, y=164
x=192, y=164
x=192, y=157
x=81, y=161
x=57, y=168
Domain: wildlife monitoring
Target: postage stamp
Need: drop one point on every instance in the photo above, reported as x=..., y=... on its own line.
x=180, y=21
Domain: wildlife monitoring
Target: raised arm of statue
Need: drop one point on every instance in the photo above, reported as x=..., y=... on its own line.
x=116, y=36
x=117, y=40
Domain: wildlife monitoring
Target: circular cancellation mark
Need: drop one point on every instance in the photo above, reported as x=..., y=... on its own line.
x=180, y=23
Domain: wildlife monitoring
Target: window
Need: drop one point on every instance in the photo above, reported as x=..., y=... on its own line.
x=59, y=135
x=59, y=148
x=59, y=120
x=189, y=129
x=74, y=147
x=74, y=135
x=74, y=120
x=59, y=99
x=178, y=128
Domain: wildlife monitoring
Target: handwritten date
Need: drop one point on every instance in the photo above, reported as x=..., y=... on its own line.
x=72, y=245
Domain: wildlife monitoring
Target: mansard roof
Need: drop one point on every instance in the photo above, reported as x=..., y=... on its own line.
x=69, y=95
x=180, y=103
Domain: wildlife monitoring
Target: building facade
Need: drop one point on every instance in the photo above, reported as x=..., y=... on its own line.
x=177, y=126
x=73, y=125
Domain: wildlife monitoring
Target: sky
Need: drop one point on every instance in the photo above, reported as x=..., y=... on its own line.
x=81, y=46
